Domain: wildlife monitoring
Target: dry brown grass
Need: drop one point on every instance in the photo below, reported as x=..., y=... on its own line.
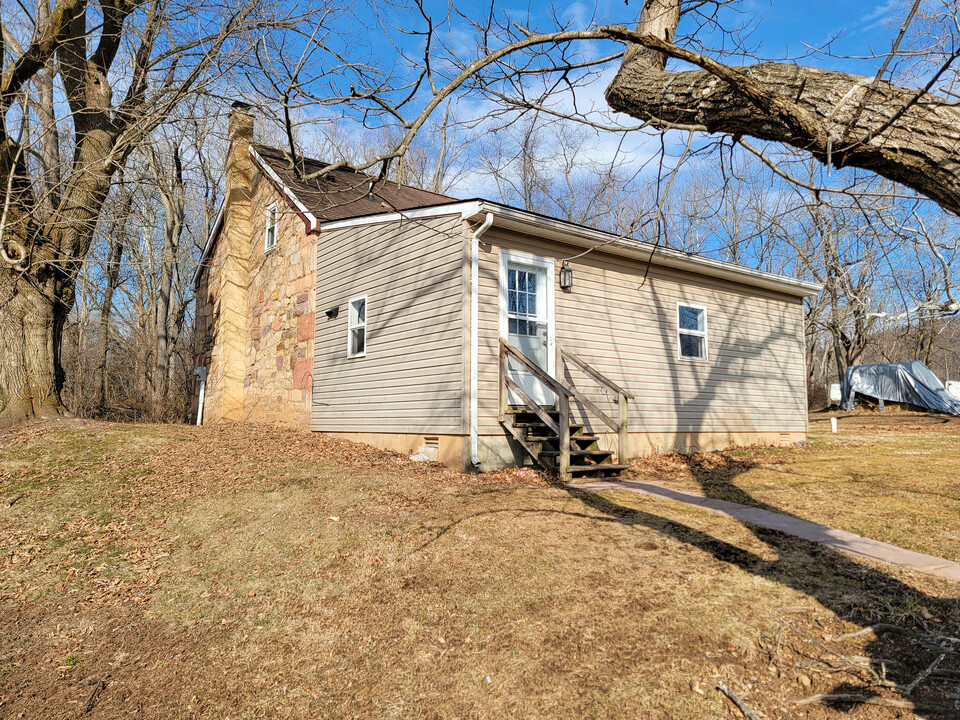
x=205, y=573
x=889, y=476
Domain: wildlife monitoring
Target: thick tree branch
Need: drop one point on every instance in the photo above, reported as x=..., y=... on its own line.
x=906, y=136
x=50, y=36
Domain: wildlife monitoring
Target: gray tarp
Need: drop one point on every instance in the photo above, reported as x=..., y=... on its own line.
x=911, y=382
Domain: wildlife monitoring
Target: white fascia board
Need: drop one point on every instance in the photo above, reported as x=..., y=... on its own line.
x=553, y=229
x=208, y=246
x=312, y=221
x=464, y=209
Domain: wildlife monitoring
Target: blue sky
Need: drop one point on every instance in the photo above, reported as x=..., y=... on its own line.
x=860, y=28
x=782, y=29
x=782, y=26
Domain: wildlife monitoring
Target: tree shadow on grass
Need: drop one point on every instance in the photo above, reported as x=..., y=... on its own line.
x=901, y=646
x=905, y=642
x=854, y=592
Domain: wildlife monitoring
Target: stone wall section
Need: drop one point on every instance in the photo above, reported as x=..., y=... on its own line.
x=222, y=332
x=256, y=309
x=207, y=353
x=278, y=382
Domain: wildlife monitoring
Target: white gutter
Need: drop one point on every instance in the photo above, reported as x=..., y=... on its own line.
x=464, y=208
x=201, y=373
x=548, y=228
x=475, y=338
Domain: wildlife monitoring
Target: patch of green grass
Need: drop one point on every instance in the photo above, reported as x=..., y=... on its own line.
x=70, y=660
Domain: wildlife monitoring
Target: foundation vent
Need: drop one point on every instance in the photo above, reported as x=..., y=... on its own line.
x=430, y=450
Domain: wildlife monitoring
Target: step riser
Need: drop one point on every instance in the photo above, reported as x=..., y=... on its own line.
x=587, y=461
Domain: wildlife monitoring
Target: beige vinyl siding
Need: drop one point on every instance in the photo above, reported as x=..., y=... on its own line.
x=625, y=324
x=412, y=377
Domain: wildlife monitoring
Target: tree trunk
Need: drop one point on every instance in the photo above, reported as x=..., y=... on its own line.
x=31, y=327
x=164, y=318
x=113, y=280
x=37, y=293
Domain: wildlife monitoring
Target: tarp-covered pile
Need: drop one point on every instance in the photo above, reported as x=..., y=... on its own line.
x=912, y=383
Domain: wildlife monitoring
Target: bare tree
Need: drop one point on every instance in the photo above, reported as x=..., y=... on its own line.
x=121, y=67
x=116, y=240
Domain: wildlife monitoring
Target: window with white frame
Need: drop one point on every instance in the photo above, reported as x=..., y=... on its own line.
x=692, y=331
x=357, y=328
x=270, y=232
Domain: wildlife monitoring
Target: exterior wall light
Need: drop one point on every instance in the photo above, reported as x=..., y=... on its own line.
x=566, y=277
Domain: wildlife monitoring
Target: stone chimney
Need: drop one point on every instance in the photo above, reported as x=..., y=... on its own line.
x=236, y=243
x=239, y=168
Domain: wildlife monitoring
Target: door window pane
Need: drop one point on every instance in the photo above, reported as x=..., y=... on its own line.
x=521, y=292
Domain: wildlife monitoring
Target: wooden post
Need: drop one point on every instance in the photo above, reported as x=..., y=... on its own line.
x=504, y=397
x=563, y=466
x=622, y=440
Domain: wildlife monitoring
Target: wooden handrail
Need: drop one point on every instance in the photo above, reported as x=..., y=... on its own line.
x=622, y=400
x=537, y=371
x=563, y=393
x=592, y=372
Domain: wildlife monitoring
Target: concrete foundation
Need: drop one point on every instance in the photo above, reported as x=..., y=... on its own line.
x=499, y=451
x=451, y=450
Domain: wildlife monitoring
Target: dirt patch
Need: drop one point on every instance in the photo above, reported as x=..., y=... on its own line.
x=72, y=658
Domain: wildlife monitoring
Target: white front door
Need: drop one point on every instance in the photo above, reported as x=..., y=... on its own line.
x=526, y=301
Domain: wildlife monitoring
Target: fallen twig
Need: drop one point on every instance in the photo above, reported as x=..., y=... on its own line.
x=94, y=694
x=735, y=699
x=927, y=640
x=843, y=658
x=13, y=500
x=832, y=698
x=919, y=679
x=858, y=633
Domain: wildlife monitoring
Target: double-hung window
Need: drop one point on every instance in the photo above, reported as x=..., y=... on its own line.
x=692, y=331
x=270, y=231
x=357, y=328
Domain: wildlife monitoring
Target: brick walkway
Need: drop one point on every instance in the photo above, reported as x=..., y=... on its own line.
x=823, y=534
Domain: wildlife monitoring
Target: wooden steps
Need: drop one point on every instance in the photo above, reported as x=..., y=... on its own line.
x=549, y=434
x=588, y=462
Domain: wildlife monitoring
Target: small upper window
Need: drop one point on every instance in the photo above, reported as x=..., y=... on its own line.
x=692, y=331
x=270, y=235
x=357, y=328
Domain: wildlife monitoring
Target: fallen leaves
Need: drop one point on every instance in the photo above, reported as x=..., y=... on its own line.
x=112, y=487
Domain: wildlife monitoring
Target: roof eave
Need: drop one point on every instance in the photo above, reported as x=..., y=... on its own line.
x=208, y=246
x=553, y=229
x=309, y=219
